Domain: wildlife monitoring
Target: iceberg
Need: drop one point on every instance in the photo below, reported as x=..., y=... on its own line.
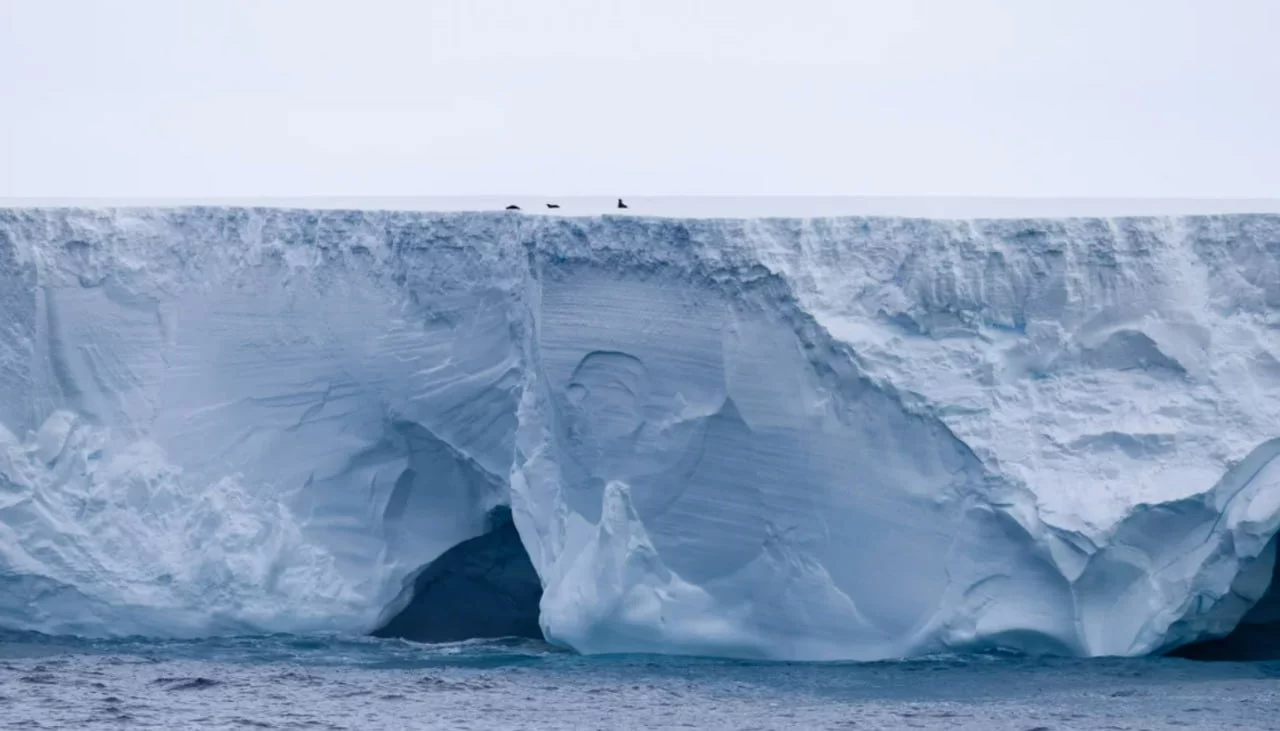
x=816, y=439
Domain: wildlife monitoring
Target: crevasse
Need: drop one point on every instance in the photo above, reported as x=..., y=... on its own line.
x=852, y=438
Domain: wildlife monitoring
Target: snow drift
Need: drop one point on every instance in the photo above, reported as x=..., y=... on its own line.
x=811, y=439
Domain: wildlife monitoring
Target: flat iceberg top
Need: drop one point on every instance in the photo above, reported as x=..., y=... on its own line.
x=936, y=207
x=833, y=437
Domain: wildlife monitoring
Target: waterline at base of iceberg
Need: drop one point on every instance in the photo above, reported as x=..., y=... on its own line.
x=354, y=683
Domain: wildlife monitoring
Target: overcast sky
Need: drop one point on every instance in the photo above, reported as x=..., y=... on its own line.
x=212, y=98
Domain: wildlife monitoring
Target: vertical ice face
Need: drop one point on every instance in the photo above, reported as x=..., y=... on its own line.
x=816, y=439
x=250, y=420
x=706, y=463
x=833, y=439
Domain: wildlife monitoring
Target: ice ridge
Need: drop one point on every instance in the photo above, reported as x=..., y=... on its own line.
x=844, y=438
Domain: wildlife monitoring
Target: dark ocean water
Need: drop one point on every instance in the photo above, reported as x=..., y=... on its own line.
x=292, y=682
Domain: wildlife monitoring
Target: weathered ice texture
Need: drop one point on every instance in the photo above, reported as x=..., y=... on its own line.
x=811, y=439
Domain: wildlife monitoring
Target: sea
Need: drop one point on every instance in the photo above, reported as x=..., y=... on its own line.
x=335, y=682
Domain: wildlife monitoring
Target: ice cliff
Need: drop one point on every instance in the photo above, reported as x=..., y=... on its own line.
x=831, y=438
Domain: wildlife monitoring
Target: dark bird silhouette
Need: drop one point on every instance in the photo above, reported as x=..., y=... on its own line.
x=513, y=207
x=621, y=204
x=553, y=205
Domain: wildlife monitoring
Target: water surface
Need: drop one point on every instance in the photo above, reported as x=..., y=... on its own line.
x=292, y=682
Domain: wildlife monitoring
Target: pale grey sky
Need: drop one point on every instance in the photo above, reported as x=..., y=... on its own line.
x=216, y=98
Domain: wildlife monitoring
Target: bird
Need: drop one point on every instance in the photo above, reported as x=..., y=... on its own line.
x=553, y=205
x=621, y=204
x=513, y=207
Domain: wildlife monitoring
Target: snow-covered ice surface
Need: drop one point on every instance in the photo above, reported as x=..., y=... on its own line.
x=813, y=438
x=947, y=207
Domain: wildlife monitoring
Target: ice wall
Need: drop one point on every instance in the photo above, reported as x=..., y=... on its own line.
x=828, y=438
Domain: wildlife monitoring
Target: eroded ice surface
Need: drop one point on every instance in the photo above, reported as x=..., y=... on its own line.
x=789, y=438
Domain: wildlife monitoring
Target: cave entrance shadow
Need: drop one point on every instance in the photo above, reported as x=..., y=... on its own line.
x=482, y=588
x=1256, y=638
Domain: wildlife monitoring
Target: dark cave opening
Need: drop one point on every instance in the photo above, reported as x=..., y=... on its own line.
x=1257, y=637
x=485, y=587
